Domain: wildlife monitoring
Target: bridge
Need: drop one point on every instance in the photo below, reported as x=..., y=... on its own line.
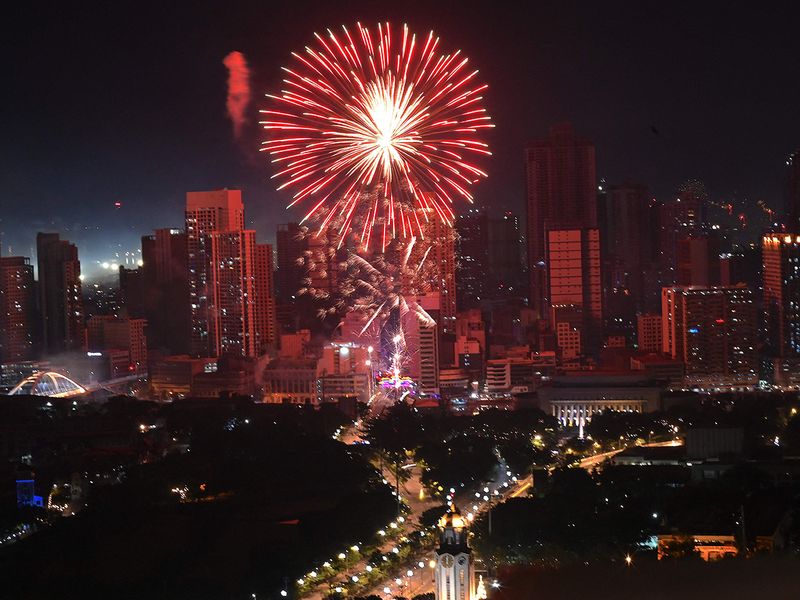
x=48, y=383
x=55, y=385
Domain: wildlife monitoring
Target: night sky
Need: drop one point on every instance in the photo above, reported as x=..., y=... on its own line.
x=125, y=101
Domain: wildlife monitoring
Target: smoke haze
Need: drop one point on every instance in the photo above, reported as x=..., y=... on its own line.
x=238, y=90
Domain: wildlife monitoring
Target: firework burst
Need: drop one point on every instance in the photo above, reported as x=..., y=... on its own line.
x=389, y=282
x=379, y=127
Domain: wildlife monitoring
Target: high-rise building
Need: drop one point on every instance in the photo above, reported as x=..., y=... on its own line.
x=60, y=296
x=781, y=297
x=626, y=236
x=423, y=365
x=165, y=291
x=17, y=309
x=291, y=245
x=266, y=329
x=698, y=260
x=573, y=260
x=561, y=194
x=443, y=255
x=241, y=316
x=470, y=348
x=219, y=211
x=792, y=207
x=131, y=292
x=472, y=252
x=679, y=218
x=712, y=330
x=107, y=333
x=230, y=278
x=506, y=271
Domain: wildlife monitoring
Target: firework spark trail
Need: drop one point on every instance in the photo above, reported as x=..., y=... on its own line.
x=390, y=281
x=376, y=126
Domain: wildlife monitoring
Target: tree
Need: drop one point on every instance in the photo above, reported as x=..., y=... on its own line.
x=431, y=516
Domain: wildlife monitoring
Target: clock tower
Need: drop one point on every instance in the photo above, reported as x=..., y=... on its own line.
x=455, y=577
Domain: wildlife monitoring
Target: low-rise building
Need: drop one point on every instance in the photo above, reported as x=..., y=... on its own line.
x=709, y=547
x=659, y=367
x=574, y=399
x=291, y=381
x=173, y=375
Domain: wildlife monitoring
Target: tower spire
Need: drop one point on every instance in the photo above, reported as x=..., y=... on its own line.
x=455, y=575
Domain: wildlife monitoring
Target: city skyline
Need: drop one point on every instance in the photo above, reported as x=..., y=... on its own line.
x=179, y=138
x=258, y=342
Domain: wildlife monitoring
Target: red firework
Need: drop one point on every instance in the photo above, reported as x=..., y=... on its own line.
x=377, y=128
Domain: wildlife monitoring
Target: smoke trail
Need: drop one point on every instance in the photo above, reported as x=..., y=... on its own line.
x=238, y=90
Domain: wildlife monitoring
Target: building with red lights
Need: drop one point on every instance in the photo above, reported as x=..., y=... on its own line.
x=781, y=256
x=575, y=290
x=16, y=309
x=230, y=278
x=219, y=211
x=713, y=331
x=561, y=194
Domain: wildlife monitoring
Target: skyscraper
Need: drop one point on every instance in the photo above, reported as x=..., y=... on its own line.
x=443, y=255
x=17, y=303
x=792, y=208
x=781, y=256
x=60, y=301
x=561, y=194
x=712, y=330
x=241, y=316
x=679, y=218
x=505, y=273
x=626, y=236
x=423, y=365
x=266, y=327
x=575, y=292
x=291, y=244
x=219, y=211
x=472, y=251
x=782, y=291
x=697, y=260
x=165, y=293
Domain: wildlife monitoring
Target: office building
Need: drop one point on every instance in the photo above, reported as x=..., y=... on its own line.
x=781, y=299
x=60, y=294
x=472, y=253
x=241, y=318
x=165, y=295
x=505, y=276
x=712, y=330
x=792, y=204
x=106, y=334
x=648, y=332
x=291, y=245
x=443, y=256
x=17, y=310
x=698, y=260
x=575, y=294
x=561, y=194
x=219, y=211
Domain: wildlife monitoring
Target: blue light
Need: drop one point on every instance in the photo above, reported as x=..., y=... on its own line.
x=694, y=330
